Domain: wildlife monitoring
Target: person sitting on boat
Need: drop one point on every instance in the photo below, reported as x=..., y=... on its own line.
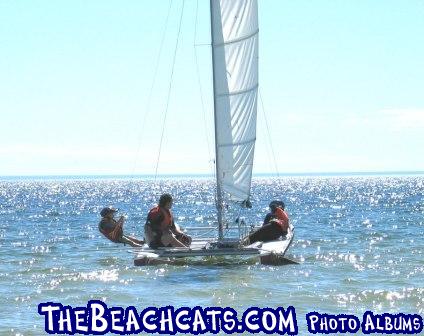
x=112, y=229
x=276, y=224
x=273, y=208
x=160, y=229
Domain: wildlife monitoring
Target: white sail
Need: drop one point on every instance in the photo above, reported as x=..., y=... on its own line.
x=235, y=72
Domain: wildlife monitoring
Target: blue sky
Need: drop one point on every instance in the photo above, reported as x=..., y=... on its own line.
x=341, y=81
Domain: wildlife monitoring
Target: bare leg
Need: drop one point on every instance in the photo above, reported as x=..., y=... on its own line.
x=168, y=238
x=131, y=241
x=181, y=236
x=135, y=240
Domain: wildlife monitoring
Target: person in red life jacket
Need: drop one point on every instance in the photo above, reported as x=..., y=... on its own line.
x=160, y=229
x=276, y=225
x=112, y=229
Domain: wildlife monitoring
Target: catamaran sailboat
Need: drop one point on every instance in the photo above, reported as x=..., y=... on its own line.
x=234, y=39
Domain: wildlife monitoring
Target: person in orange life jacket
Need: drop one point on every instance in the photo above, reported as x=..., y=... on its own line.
x=276, y=224
x=274, y=213
x=160, y=229
x=112, y=229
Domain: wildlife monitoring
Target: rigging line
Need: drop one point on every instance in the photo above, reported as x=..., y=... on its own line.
x=149, y=99
x=269, y=134
x=199, y=81
x=270, y=164
x=169, y=89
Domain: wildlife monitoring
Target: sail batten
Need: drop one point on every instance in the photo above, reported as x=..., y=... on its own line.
x=235, y=93
x=240, y=39
x=235, y=35
x=241, y=143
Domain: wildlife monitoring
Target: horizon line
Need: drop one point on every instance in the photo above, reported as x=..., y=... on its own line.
x=208, y=175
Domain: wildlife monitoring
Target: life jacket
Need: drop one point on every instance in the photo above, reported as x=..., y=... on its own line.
x=282, y=219
x=113, y=234
x=160, y=218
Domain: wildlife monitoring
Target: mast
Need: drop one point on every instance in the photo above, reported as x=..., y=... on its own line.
x=218, y=185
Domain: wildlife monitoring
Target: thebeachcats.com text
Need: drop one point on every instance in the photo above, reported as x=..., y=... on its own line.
x=96, y=318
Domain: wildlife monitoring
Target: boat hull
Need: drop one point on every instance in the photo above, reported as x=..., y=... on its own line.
x=212, y=251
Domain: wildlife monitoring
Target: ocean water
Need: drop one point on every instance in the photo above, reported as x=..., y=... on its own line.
x=359, y=241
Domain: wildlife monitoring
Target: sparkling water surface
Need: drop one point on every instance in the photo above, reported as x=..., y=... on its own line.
x=359, y=241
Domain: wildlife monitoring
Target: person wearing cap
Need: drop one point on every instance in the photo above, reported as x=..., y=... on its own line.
x=276, y=224
x=160, y=229
x=113, y=229
x=273, y=206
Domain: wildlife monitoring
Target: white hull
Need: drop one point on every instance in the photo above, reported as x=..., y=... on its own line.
x=271, y=252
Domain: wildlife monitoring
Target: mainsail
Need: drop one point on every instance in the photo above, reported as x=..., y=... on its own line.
x=234, y=30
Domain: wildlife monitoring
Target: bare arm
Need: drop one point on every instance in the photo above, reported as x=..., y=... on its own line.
x=121, y=221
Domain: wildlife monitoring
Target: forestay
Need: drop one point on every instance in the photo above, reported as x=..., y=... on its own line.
x=235, y=72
